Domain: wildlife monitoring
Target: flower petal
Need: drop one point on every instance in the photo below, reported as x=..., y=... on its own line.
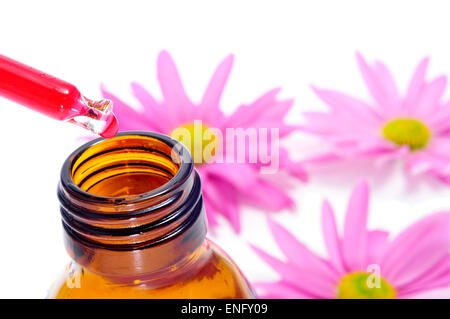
x=298, y=254
x=355, y=234
x=381, y=91
x=209, y=106
x=417, y=249
x=428, y=101
x=439, y=293
x=416, y=84
x=153, y=109
x=331, y=237
x=388, y=84
x=130, y=119
x=346, y=105
x=437, y=276
x=280, y=290
x=178, y=103
x=376, y=243
x=210, y=209
x=258, y=197
x=223, y=197
x=245, y=115
x=307, y=282
x=241, y=176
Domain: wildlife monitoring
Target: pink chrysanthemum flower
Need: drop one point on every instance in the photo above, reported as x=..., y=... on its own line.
x=363, y=264
x=225, y=184
x=415, y=126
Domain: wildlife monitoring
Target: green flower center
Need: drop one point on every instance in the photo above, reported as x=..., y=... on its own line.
x=198, y=138
x=361, y=285
x=407, y=131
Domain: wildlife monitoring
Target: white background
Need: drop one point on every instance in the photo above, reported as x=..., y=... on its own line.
x=278, y=43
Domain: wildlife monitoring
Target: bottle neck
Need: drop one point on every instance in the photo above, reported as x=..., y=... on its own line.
x=132, y=206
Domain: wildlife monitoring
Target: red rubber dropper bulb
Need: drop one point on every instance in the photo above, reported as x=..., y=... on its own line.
x=55, y=98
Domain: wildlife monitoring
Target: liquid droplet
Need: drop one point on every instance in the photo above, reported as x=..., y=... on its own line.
x=98, y=117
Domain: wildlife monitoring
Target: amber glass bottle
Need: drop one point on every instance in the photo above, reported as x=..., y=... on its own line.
x=134, y=224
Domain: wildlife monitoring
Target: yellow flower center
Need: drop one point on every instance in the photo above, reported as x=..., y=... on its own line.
x=361, y=285
x=198, y=138
x=407, y=131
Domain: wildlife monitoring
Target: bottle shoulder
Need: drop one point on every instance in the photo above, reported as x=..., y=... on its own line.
x=214, y=276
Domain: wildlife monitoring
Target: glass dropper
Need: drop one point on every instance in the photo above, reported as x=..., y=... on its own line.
x=55, y=98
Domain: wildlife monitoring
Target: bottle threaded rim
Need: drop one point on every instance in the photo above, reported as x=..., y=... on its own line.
x=133, y=221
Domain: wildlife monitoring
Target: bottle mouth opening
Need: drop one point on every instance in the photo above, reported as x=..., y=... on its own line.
x=126, y=168
x=136, y=192
x=132, y=184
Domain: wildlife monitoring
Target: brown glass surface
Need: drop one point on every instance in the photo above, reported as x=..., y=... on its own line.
x=215, y=277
